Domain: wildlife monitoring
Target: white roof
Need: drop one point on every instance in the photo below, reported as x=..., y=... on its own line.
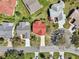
x=57, y=10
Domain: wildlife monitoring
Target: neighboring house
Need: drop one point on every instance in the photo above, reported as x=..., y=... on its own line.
x=39, y=27
x=56, y=11
x=23, y=31
x=32, y=5
x=7, y=7
x=6, y=30
x=74, y=18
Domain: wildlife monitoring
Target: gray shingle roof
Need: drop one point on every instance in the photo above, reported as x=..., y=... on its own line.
x=23, y=29
x=6, y=30
x=32, y=5
x=75, y=15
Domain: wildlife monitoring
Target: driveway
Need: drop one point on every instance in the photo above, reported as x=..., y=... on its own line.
x=42, y=40
x=67, y=36
x=9, y=43
x=27, y=42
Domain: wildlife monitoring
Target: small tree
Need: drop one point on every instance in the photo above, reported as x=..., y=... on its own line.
x=14, y=54
x=42, y=55
x=75, y=38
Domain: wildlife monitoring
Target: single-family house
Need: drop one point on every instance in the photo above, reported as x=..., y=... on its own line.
x=32, y=5
x=7, y=7
x=56, y=11
x=39, y=28
x=74, y=18
x=7, y=30
x=23, y=31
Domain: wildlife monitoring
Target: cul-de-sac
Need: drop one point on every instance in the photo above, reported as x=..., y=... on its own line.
x=39, y=29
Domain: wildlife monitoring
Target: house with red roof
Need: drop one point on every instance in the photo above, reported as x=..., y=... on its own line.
x=39, y=27
x=7, y=7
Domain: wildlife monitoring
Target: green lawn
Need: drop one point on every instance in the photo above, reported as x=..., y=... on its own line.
x=21, y=8
x=23, y=12
x=70, y=5
x=56, y=55
x=29, y=55
x=67, y=25
x=17, y=42
x=43, y=54
x=3, y=43
x=73, y=56
x=35, y=40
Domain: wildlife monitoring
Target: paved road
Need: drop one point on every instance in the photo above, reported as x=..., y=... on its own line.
x=43, y=49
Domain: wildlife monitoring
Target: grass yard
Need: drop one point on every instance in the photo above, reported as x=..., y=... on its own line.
x=21, y=8
x=70, y=5
x=56, y=55
x=47, y=40
x=29, y=55
x=3, y=43
x=35, y=40
x=21, y=11
x=17, y=42
x=70, y=55
x=67, y=25
x=44, y=55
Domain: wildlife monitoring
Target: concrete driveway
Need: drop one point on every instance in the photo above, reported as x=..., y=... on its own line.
x=42, y=40
x=9, y=43
x=27, y=42
x=67, y=36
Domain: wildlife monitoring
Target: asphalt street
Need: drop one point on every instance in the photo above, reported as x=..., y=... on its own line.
x=43, y=49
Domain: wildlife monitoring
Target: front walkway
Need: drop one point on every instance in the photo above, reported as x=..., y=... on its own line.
x=61, y=55
x=51, y=55
x=36, y=55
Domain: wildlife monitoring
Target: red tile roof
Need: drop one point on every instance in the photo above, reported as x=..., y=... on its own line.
x=39, y=27
x=7, y=6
